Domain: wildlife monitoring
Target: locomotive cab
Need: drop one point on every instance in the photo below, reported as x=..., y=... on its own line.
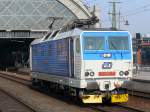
x=107, y=62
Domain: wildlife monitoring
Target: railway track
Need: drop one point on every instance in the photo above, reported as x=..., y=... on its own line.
x=37, y=101
x=115, y=108
x=15, y=78
x=101, y=108
x=15, y=105
x=21, y=81
x=137, y=103
x=139, y=94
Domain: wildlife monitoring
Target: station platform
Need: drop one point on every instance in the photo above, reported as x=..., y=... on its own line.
x=143, y=76
x=140, y=82
x=24, y=71
x=138, y=85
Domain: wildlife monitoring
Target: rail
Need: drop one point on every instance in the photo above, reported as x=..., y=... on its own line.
x=114, y=108
x=19, y=100
x=23, y=82
x=16, y=79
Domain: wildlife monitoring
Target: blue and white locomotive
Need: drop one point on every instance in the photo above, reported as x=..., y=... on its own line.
x=91, y=64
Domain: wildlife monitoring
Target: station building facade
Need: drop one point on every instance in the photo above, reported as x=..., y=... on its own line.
x=30, y=18
x=141, y=48
x=21, y=21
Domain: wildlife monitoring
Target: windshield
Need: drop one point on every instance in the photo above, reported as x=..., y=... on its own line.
x=118, y=43
x=94, y=43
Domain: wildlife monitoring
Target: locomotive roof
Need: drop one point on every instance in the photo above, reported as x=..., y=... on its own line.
x=70, y=33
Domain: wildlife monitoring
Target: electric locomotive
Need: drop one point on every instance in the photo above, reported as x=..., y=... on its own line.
x=91, y=64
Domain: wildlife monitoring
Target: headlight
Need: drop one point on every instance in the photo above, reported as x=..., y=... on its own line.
x=106, y=55
x=87, y=74
x=92, y=73
x=121, y=73
x=126, y=73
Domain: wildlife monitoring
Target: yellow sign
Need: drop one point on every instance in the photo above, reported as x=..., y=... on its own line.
x=119, y=98
x=92, y=99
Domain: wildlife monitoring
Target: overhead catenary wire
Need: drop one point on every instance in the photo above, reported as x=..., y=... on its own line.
x=127, y=2
x=125, y=10
x=136, y=13
x=139, y=8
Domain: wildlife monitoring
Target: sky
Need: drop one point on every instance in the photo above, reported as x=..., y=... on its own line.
x=136, y=12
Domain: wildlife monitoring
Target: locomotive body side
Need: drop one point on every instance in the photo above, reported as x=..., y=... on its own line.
x=55, y=60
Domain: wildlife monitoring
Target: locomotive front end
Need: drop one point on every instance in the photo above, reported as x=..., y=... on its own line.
x=107, y=65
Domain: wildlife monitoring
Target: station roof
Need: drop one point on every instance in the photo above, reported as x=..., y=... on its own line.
x=35, y=14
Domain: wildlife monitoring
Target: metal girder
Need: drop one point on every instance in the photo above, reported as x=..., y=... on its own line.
x=77, y=7
x=33, y=14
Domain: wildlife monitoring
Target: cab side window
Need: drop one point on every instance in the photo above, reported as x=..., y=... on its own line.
x=78, y=46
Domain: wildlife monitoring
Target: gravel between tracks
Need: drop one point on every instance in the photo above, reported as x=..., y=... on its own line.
x=41, y=102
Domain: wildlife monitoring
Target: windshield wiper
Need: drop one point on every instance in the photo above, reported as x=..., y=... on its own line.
x=114, y=47
x=121, y=55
